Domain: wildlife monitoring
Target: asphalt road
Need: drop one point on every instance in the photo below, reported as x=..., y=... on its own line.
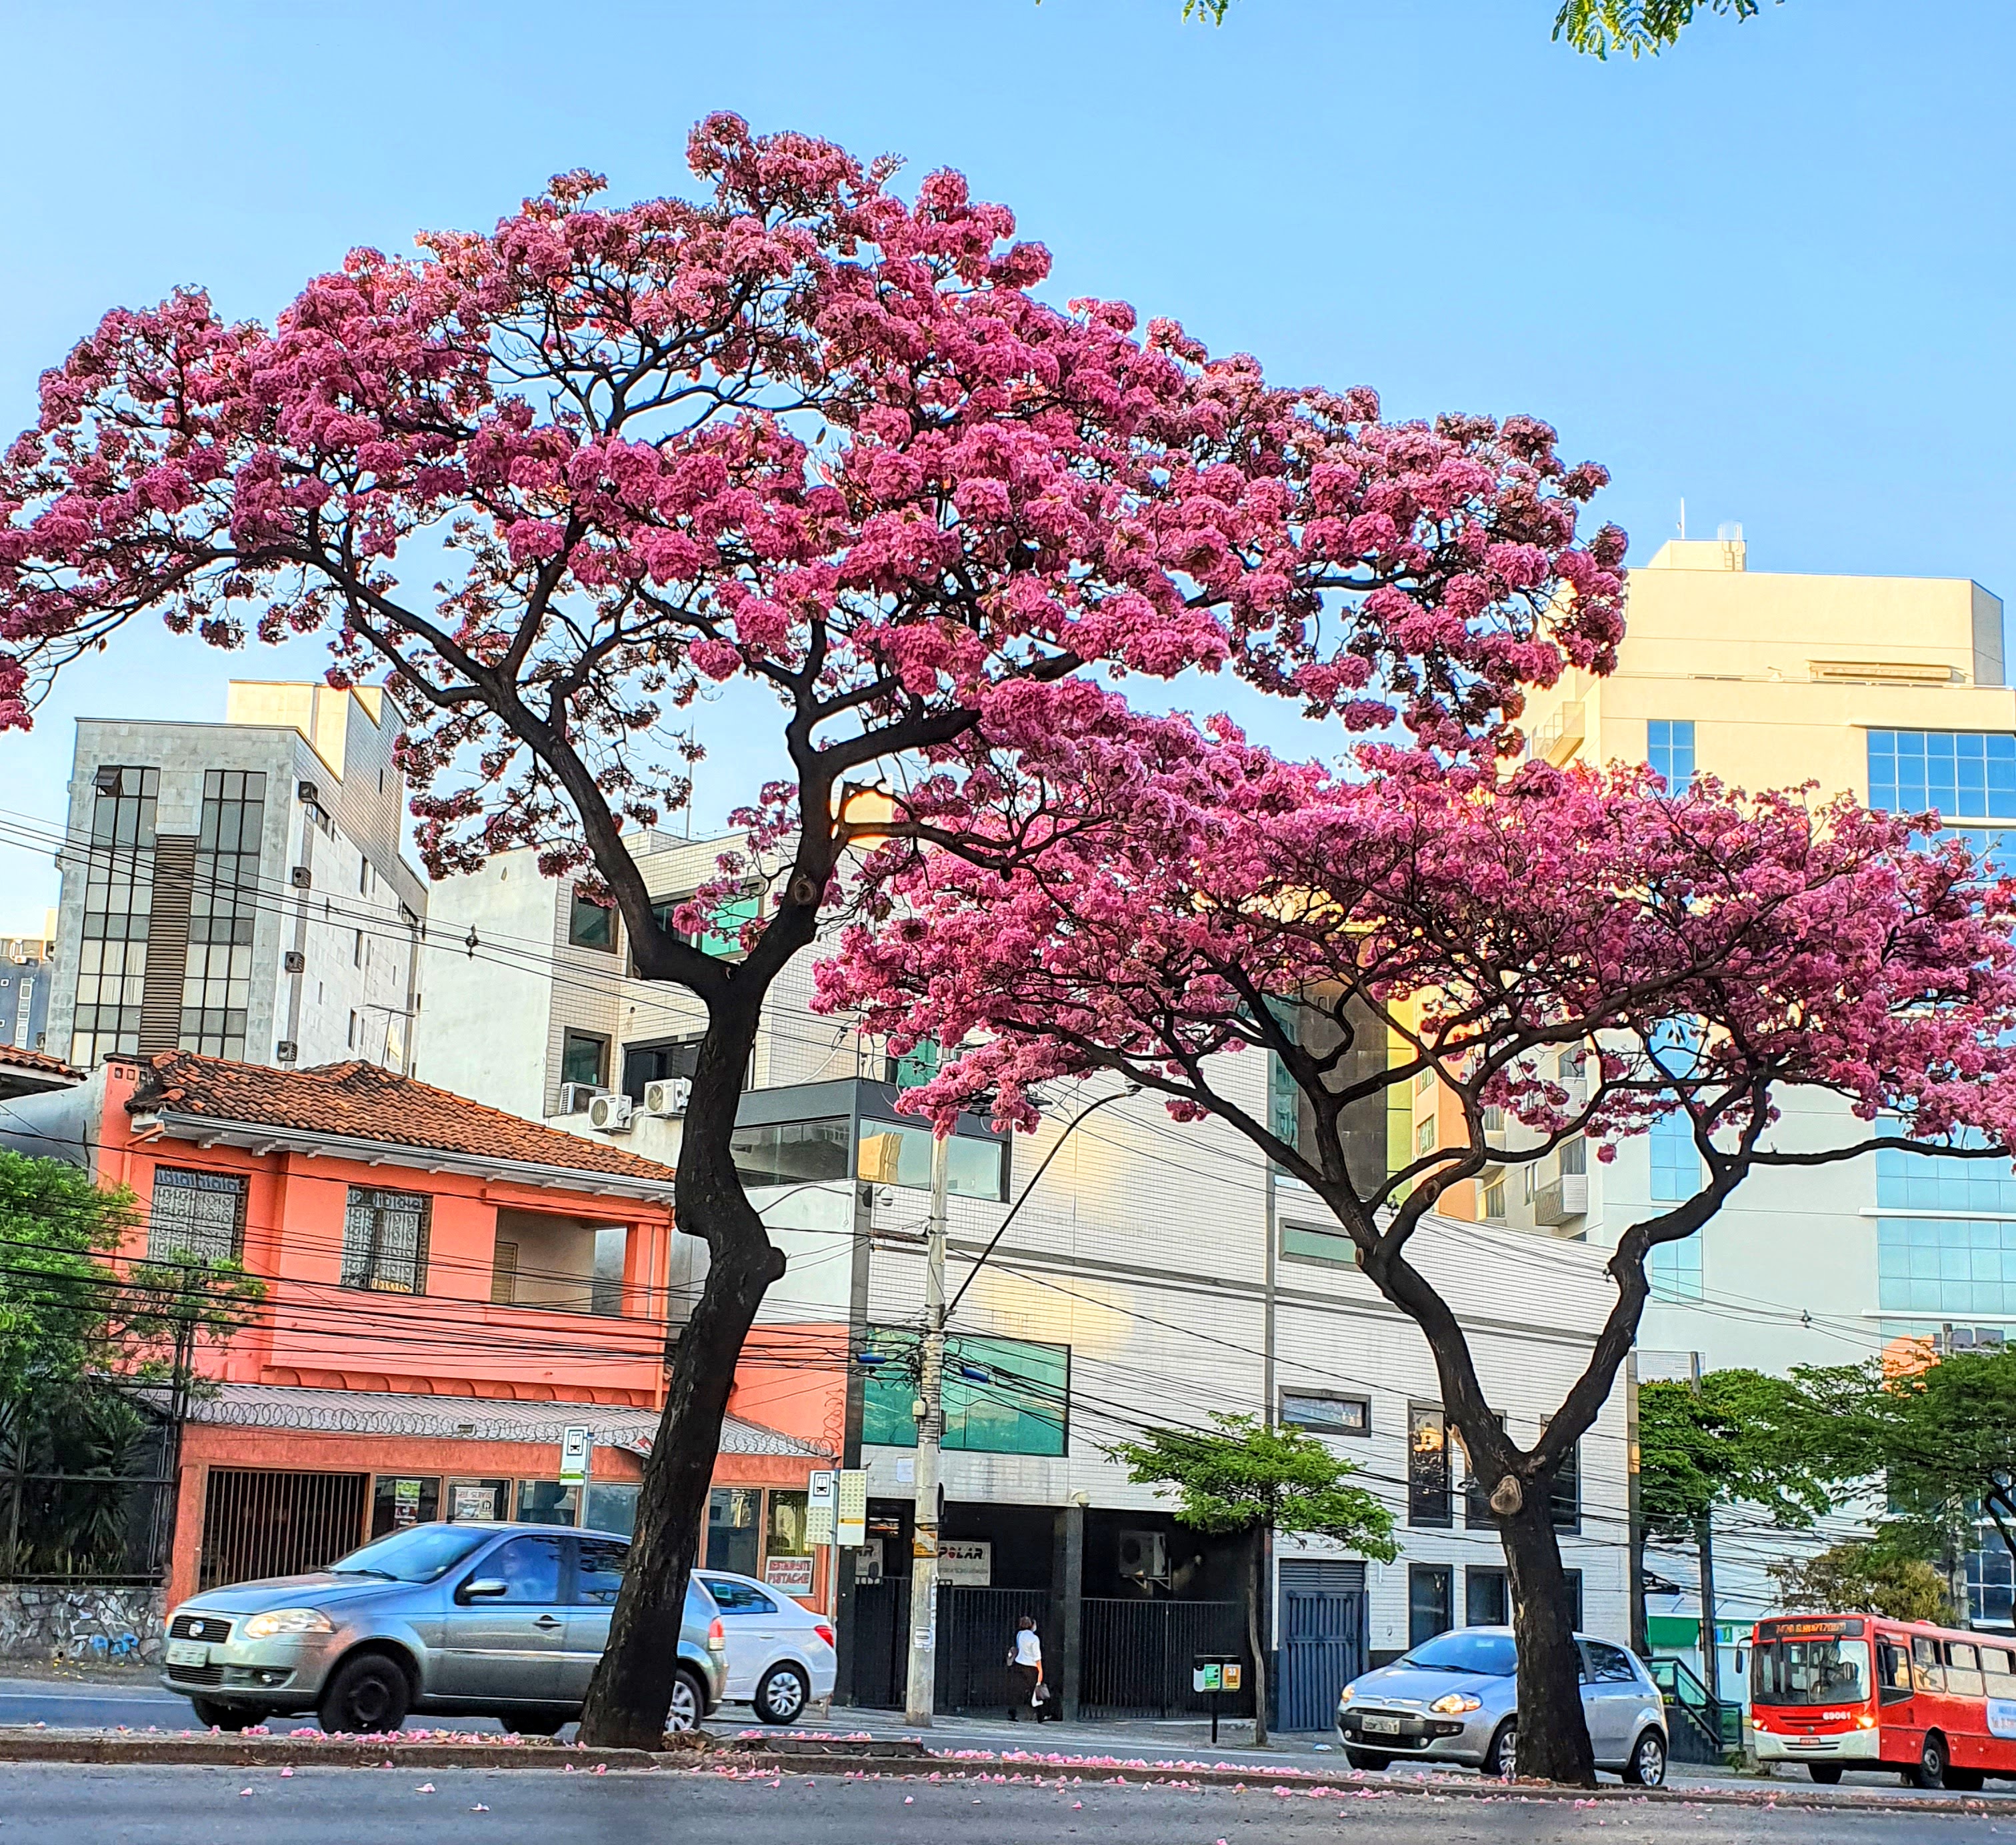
x=66, y=1704
x=88, y=1806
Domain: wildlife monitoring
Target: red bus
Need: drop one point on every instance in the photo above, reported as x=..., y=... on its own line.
x=1857, y=1691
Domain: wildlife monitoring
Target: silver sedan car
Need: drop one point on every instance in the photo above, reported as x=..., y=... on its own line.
x=1455, y=1699
x=467, y=1619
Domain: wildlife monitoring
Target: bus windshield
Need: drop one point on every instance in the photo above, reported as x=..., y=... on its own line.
x=1820, y=1671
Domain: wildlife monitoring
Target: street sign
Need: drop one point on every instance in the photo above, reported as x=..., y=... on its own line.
x=1214, y=1674
x=853, y=1507
x=576, y=1446
x=821, y=1493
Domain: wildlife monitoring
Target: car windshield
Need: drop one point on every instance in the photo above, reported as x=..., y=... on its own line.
x=420, y=1553
x=1465, y=1650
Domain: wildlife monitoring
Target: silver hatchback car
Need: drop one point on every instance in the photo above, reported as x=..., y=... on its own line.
x=466, y=1619
x=1455, y=1699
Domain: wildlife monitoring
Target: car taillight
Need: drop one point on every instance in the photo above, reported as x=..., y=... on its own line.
x=824, y=1631
x=717, y=1636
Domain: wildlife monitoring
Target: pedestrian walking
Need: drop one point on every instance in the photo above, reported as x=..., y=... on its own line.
x=1026, y=1693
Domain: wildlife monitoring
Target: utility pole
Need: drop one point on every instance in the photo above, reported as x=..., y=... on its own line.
x=930, y=1431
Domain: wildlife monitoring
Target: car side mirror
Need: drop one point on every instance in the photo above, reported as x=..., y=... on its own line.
x=483, y=1588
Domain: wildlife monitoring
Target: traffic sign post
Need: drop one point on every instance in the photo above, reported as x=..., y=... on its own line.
x=1214, y=1674
x=577, y=1450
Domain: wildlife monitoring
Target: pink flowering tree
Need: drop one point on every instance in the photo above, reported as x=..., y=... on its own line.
x=1570, y=955
x=550, y=482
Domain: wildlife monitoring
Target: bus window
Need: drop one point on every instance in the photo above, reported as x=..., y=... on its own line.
x=1999, y=1670
x=1964, y=1671
x=1893, y=1672
x=1927, y=1672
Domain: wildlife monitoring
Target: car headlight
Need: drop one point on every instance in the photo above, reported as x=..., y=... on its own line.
x=288, y=1620
x=1456, y=1704
x=1349, y=1692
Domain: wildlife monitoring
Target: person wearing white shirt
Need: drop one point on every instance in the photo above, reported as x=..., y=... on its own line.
x=1025, y=1672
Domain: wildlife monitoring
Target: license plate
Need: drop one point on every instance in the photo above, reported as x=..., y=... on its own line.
x=1379, y=1726
x=188, y=1653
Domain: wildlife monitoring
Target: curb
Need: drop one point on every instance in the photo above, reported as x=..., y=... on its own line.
x=807, y=1756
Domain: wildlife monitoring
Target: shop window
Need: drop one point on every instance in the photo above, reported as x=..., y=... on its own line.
x=899, y=1154
x=197, y=1216
x=612, y=1506
x=479, y=1502
x=400, y=1500
x=591, y=922
x=1427, y=1468
x=1427, y=1601
x=1001, y=1396
x=731, y=1529
x=584, y=1058
x=787, y=1558
x=385, y=1241
x=547, y=1502
x=1326, y=1415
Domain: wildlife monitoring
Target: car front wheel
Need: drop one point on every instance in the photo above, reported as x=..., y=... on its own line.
x=218, y=1716
x=1502, y=1758
x=367, y=1695
x=689, y=1702
x=781, y=1696
x=1647, y=1765
x=1369, y=1760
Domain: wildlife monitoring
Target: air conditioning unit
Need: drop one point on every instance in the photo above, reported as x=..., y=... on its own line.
x=294, y=961
x=1144, y=1556
x=670, y=1097
x=611, y=1114
x=575, y=1097
x=286, y=1051
x=309, y=792
x=300, y=878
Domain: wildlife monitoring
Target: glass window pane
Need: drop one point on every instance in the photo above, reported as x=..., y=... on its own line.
x=547, y=1502
x=731, y=1532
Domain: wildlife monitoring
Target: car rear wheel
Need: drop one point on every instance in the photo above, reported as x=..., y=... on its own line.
x=781, y=1696
x=689, y=1702
x=1647, y=1765
x=1502, y=1758
x=1370, y=1759
x=219, y=1717
x=541, y=1723
x=367, y=1694
x=1827, y=1774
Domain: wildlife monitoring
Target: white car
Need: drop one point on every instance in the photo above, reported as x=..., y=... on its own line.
x=780, y=1653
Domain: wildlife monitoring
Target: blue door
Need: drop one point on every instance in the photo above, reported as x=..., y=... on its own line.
x=1322, y=1637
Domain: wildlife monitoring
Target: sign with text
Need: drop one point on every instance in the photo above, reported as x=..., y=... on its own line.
x=821, y=1496
x=966, y=1562
x=577, y=1448
x=852, y=1519
x=1216, y=1672
x=794, y=1575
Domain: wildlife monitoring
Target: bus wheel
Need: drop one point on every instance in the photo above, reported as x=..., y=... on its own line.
x=1931, y=1772
x=1827, y=1774
x=1965, y=1780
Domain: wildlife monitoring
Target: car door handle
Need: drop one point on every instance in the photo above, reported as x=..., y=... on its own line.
x=549, y=1621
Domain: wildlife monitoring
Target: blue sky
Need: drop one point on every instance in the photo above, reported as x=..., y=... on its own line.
x=1770, y=272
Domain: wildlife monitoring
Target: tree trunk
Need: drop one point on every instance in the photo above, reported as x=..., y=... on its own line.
x=1258, y=1583
x=631, y=1695
x=1553, y=1733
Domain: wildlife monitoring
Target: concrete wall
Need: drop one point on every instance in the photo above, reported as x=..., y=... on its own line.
x=82, y=1624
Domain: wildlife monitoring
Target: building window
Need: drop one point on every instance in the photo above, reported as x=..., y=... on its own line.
x=1674, y=1269
x=1000, y=1396
x=1487, y=1596
x=1917, y=1182
x=791, y=1152
x=1564, y=1496
x=1675, y=1159
x=217, y=981
x=733, y=1531
x=1427, y=1601
x=1573, y=1577
x=899, y=1154
x=118, y=895
x=385, y=1241
x=724, y=938
x=1669, y=748
x=1306, y=1243
x=1573, y=1156
x=647, y=1063
x=584, y=1058
x=1326, y=1414
x=1427, y=1468
x=399, y=1500
x=1424, y=1136
x=591, y=922
x=195, y=1214
x=1965, y=1266
x=1965, y=774
x=1494, y=1201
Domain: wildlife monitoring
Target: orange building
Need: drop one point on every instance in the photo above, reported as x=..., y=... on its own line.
x=448, y=1289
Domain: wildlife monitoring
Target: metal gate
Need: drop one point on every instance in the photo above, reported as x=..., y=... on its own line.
x=1322, y=1644
x=256, y=1523
x=881, y=1639
x=1138, y=1656
x=976, y=1633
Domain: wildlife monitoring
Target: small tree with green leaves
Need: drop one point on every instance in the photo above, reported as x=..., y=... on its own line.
x=1864, y=1576
x=1244, y=1477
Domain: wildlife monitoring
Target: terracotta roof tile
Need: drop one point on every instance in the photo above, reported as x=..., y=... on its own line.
x=39, y=1060
x=364, y=1102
